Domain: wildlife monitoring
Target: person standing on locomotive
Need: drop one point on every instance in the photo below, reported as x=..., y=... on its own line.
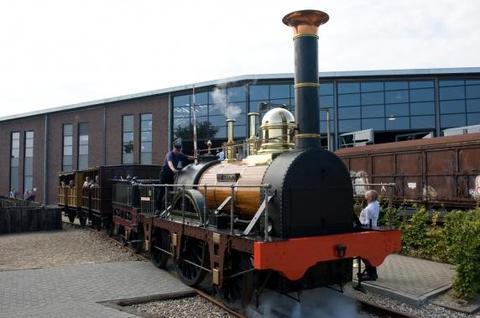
x=169, y=169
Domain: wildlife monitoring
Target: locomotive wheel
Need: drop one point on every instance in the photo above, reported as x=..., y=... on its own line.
x=194, y=205
x=83, y=220
x=196, y=252
x=162, y=240
x=239, y=289
x=71, y=217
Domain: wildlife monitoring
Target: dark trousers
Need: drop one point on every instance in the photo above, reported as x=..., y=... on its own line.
x=371, y=271
x=166, y=177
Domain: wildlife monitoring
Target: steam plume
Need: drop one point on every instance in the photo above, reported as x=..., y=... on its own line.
x=220, y=99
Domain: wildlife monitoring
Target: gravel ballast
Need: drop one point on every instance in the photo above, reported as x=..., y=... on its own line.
x=424, y=311
x=67, y=247
x=179, y=308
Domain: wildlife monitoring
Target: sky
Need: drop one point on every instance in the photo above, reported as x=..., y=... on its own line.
x=60, y=52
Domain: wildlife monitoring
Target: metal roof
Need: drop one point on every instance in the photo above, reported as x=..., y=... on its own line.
x=250, y=77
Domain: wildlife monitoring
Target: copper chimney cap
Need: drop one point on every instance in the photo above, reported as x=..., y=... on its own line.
x=305, y=21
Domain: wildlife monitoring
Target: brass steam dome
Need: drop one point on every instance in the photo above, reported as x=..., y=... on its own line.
x=278, y=129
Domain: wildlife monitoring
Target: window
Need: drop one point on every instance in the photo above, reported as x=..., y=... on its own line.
x=394, y=110
x=452, y=106
x=127, y=139
x=14, y=160
x=455, y=120
x=82, y=146
x=452, y=92
x=474, y=119
x=459, y=103
x=425, y=108
x=421, y=122
x=473, y=91
x=279, y=91
x=371, y=86
x=421, y=95
x=259, y=92
x=394, y=97
x=421, y=84
x=67, y=159
x=397, y=123
x=373, y=111
x=348, y=100
x=323, y=126
x=444, y=83
x=374, y=123
x=146, y=139
x=349, y=112
x=238, y=94
x=473, y=105
x=372, y=98
x=395, y=85
x=181, y=100
x=28, y=161
x=348, y=125
x=326, y=89
x=348, y=88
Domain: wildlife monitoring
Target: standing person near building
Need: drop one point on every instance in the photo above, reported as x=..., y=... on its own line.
x=86, y=184
x=169, y=169
x=369, y=218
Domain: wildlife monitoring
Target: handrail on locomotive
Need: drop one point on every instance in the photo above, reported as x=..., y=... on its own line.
x=180, y=188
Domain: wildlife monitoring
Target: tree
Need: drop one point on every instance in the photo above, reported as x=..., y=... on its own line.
x=205, y=130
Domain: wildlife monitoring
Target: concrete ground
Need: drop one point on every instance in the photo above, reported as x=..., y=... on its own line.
x=411, y=280
x=76, y=290
x=67, y=273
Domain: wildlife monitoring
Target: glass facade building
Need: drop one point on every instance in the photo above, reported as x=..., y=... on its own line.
x=392, y=105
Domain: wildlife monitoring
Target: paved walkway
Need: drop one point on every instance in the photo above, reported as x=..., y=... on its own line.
x=411, y=280
x=75, y=290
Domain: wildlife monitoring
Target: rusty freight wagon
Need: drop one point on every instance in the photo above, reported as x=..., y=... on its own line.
x=97, y=196
x=437, y=172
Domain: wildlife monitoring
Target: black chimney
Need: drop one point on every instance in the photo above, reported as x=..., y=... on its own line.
x=305, y=25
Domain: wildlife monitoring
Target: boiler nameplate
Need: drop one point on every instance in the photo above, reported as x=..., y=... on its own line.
x=228, y=177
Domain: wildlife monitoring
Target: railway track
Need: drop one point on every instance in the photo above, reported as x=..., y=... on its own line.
x=365, y=306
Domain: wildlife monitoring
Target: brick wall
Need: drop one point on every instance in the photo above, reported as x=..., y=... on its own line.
x=100, y=144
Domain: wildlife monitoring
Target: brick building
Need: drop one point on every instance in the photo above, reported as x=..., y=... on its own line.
x=139, y=128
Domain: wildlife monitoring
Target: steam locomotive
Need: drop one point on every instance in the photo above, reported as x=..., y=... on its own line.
x=280, y=219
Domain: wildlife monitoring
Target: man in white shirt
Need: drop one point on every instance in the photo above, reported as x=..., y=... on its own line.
x=369, y=217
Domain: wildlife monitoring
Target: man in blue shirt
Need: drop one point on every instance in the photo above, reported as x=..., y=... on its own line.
x=169, y=169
